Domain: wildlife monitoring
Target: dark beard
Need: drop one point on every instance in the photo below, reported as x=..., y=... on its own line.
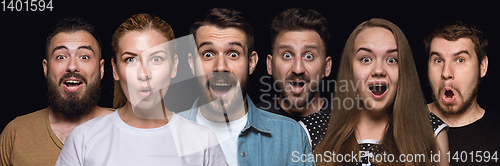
x=73, y=107
x=286, y=95
x=466, y=104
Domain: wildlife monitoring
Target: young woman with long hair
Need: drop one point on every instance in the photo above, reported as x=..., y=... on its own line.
x=394, y=118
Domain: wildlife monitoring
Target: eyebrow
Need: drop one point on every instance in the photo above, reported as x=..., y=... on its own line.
x=369, y=50
x=204, y=43
x=58, y=48
x=455, y=54
x=88, y=47
x=157, y=51
x=130, y=53
x=284, y=46
x=207, y=43
x=462, y=52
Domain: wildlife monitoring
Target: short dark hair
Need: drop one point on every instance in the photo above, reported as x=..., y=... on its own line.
x=225, y=18
x=72, y=24
x=296, y=19
x=456, y=29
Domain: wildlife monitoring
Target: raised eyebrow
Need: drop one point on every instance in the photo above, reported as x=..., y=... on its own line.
x=311, y=46
x=130, y=53
x=391, y=51
x=434, y=53
x=59, y=48
x=88, y=47
x=462, y=52
x=236, y=43
x=204, y=44
x=284, y=46
x=364, y=49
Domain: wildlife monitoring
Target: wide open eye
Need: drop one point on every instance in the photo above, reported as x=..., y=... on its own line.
x=308, y=56
x=130, y=60
x=156, y=60
x=208, y=55
x=287, y=56
x=366, y=60
x=233, y=55
x=392, y=60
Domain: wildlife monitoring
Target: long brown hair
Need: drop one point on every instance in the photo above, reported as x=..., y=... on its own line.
x=408, y=130
x=138, y=22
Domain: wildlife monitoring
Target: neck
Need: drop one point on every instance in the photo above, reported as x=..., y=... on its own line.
x=472, y=114
x=312, y=106
x=146, y=121
x=224, y=113
x=372, y=124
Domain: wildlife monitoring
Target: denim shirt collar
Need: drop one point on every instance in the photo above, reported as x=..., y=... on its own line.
x=255, y=119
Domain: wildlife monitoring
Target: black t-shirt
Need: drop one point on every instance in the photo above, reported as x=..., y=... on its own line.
x=316, y=123
x=475, y=143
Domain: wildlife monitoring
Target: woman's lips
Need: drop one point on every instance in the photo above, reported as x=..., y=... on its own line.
x=378, y=89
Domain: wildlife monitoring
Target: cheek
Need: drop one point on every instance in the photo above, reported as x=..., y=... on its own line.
x=360, y=74
x=393, y=76
x=315, y=70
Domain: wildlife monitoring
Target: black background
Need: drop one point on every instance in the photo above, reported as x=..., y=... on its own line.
x=23, y=39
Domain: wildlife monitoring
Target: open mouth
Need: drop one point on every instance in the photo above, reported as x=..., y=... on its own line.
x=297, y=86
x=220, y=87
x=220, y=84
x=378, y=89
x=449, y=95
x=72, y=85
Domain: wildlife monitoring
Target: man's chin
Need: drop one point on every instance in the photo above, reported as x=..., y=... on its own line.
x=451, y=109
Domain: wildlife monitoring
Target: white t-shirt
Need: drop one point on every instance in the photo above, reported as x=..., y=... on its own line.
x=108, y=140
x=227, y=134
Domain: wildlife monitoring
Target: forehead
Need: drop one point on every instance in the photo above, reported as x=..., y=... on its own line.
x=140, y=41
x=73, y=40
x=298, y=38
x=220, y=36
x=376, y=38
x=446, y=47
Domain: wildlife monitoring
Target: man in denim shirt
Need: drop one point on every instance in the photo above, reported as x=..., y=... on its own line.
x=248, y=135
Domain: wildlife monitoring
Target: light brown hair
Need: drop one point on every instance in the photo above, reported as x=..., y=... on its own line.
x=138, y=22
x=408, y=130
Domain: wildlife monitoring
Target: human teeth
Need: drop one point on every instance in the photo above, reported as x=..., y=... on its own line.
x=221, y=84
x=72, y=82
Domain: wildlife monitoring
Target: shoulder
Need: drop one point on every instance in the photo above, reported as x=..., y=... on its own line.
x=282, y=124
x=39, y=115
x=34, y=119
x=491, y=119
x=275, y=117
x=437, y=124
x=101, y=111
